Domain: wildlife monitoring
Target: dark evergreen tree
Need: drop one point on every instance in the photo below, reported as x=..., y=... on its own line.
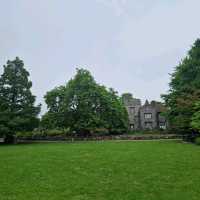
x=17, y=109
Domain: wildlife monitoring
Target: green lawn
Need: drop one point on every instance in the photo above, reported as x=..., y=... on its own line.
x=157, y=170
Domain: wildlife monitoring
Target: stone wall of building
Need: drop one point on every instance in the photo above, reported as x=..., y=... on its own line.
x=146, y=117
x=133, y=106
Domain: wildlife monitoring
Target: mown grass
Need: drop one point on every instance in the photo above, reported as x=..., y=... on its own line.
x=100, y=170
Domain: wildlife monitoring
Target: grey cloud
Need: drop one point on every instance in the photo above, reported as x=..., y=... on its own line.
x=129, y=45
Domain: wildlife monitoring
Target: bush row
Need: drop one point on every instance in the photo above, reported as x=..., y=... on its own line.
x=43, y=133
x=96, y=132
x=67, y=132
x=150, y=132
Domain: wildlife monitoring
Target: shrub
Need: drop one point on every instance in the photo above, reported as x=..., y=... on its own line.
x=30, y=134
x=132, y=132
x=43, y=133
x=58, y=132
x=100, y=131
x=118, y=131
x=197, y=141
x=38, y=133
x=23, y=134
x=55, y=132
x=146, y=132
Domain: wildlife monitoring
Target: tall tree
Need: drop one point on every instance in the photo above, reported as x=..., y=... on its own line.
x=115, y=113
x=184, y=90
x=83, y=106
x=195, y=123
x=17, y=109
x=54, y=118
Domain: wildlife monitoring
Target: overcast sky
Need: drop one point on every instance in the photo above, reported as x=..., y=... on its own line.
x=130, y=45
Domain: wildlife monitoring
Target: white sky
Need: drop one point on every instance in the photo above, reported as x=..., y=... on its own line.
x=127, y=44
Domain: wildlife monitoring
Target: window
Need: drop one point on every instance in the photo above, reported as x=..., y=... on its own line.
x=162, y=125
x=148, y=115
x=132, y=110
x=132, y=126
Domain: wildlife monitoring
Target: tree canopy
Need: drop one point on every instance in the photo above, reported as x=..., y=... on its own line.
x=17, y=109
x=184, y=91
x=84, y=106
x=195, y=123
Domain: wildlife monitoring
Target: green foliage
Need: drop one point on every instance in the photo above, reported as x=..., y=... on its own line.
x=55, y=116
x=43, y=133
x=184, y=91
x=195, y=123
x=24, y=134
x=100, y=131
x=197, y=141
x=84, y=106
x=17, y=110
x=57, y=132
x=148, y=132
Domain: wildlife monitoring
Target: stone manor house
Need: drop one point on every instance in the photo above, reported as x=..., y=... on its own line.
x=144, y=117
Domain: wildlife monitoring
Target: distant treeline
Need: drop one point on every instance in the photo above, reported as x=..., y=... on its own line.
x=84, y=107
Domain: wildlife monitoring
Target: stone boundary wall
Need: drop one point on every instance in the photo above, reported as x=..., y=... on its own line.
x=99, y=138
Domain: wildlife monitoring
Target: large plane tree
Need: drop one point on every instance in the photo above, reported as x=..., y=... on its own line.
x=85, y=106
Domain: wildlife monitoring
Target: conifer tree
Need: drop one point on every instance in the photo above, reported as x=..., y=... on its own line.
x=17, y=109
